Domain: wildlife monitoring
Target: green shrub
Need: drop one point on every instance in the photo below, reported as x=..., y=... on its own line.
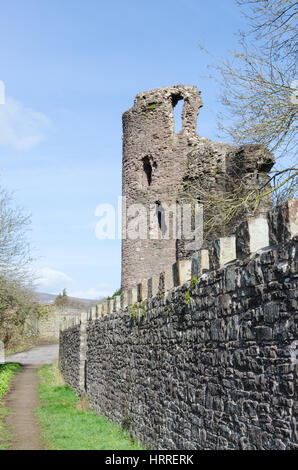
x=6, y=373
x=187, y=297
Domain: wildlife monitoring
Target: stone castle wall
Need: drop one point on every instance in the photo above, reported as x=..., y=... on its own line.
x=210, y=363
x=49, y=324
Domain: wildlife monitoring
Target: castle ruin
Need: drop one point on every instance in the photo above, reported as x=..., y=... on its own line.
x=161, y=168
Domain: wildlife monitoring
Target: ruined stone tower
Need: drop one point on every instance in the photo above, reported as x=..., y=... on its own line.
x=157, y=163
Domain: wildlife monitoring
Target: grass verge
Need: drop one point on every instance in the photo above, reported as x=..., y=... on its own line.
x=68, y=424
x=6, y=373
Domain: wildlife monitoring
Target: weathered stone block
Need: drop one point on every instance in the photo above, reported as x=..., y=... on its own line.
x=102, y=309
x=155, y=285
x=129, y=297
x=168, y=279
x=117, y=303
x=222, y=251
x=271, y=312
x=175, y=270
x=199, y=263
x=139, y=292
x=124, y=300
x=110, y=305
x=196, y=264
x=144, y=290
x=230, y=278
x=204, y=261
x=105, y=308
x=89, y=314
x=132, y=296
x=149, y=288
x=251, y=236
x=283, y=222
x=162, y=282
x=263, y=333
x=184, y=268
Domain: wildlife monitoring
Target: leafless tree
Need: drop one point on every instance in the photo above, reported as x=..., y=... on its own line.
x=14, y=249
x=259, y=81
x=17, y=300
x=260, y=100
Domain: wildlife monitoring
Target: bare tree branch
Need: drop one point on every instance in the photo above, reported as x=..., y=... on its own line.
x=14, y=249
x=261, y=105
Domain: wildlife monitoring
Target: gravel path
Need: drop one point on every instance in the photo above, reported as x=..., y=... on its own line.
x=40, y=355
x=22, y=398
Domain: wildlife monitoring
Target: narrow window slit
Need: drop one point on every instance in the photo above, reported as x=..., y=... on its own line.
x=178, y=103
x=147, y=167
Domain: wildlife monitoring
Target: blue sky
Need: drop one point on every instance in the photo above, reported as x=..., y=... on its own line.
x=70, y=69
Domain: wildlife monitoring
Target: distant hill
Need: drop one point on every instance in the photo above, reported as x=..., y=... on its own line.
x=47, y=298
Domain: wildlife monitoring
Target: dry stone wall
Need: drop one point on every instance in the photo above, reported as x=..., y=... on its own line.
x=210, y=363
x=70, y=356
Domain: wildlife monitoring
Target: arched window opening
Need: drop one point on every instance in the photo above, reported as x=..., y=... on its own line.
x=178, y=103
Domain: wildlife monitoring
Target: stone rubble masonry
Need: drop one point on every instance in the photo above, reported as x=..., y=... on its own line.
x=222, y=251
x=160, y=167
x=83, y=351
x=48, y=326
x=252, y=235
x=208, y=364
x=283, y=222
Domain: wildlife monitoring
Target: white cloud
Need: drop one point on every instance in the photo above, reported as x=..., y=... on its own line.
x=52, y=281
x=21, y=128
x=102, y=290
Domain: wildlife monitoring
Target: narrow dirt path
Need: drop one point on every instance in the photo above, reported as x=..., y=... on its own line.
x=22, y=401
